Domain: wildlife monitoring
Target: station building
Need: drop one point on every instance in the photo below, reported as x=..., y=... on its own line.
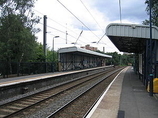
x=74, y=58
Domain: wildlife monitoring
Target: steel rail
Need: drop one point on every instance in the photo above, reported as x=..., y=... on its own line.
x=106, y=76
x=89, y=110
x=40, y=101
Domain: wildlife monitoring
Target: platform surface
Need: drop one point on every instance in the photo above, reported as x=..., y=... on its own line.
x=126, y=98
x=135, y=101
x=15, y=80
x=28, y=78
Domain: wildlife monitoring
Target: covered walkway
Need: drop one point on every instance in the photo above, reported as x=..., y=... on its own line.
x=134, y=38
x=126, y=97
x=135, y=101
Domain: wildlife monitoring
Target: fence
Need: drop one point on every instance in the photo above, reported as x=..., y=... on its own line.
x=25, y=68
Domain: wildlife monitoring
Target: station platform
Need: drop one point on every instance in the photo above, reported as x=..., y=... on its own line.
x=20, y=79
x=126, y=97
x=35, y=77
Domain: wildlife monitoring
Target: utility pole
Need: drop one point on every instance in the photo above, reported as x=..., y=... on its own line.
x=120, y=11
x=44, y=35
x=66, y=33
x=66, y=37
x=45, y=40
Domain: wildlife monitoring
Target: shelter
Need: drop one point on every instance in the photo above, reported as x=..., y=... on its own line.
x=130, y=37
x=133, y=38
x=72, y=58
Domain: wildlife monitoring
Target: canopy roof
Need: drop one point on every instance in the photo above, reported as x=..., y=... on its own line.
x=81, y=50
x=130, y=37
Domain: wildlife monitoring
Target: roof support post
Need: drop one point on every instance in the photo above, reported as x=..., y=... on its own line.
x=150, y=53
x=147, y=63
x=143, y=66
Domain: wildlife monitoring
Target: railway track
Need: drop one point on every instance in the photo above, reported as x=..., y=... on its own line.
x=80, y=106
x=54, y=100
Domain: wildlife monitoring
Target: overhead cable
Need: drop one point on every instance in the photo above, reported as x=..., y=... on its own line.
x=58, y=30
x=38, y=12
x=61, y=25
x=60, y=37
x=58, y=24
x=78, y=19
x=91, y=15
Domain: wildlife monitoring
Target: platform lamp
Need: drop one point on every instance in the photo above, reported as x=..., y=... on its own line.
x=53, y=45
x=53, y=50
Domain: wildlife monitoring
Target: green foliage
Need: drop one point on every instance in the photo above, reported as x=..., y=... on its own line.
x=154, y=12
x=118, y=59
x=38, y=55
x=17, y=32
x=51, y=56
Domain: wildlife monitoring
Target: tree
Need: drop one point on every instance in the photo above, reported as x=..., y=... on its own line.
x=52, y=56
x=17, y=32
x=38, y=55
x=118, y=59
x=154, y=12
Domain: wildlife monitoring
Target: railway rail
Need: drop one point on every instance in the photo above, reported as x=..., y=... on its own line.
x=53, y=103
x=80, y=106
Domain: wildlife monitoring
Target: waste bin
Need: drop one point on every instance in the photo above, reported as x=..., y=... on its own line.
x=155, y=86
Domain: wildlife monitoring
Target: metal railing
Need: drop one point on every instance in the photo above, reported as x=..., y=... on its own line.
x=14, y=69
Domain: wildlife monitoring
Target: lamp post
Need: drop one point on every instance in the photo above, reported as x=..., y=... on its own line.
x=53, y=45
x=53, y=50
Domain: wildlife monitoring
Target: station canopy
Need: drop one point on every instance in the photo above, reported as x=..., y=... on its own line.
x=77, y=50
x=130, y=38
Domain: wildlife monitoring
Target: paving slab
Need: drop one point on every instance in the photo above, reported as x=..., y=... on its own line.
x=135, y=101
x=126, y=97
x=108, y=105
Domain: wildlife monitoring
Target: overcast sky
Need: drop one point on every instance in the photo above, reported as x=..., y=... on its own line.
x=91, y=16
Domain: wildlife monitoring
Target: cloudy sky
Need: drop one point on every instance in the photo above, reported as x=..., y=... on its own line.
x=87, y=16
